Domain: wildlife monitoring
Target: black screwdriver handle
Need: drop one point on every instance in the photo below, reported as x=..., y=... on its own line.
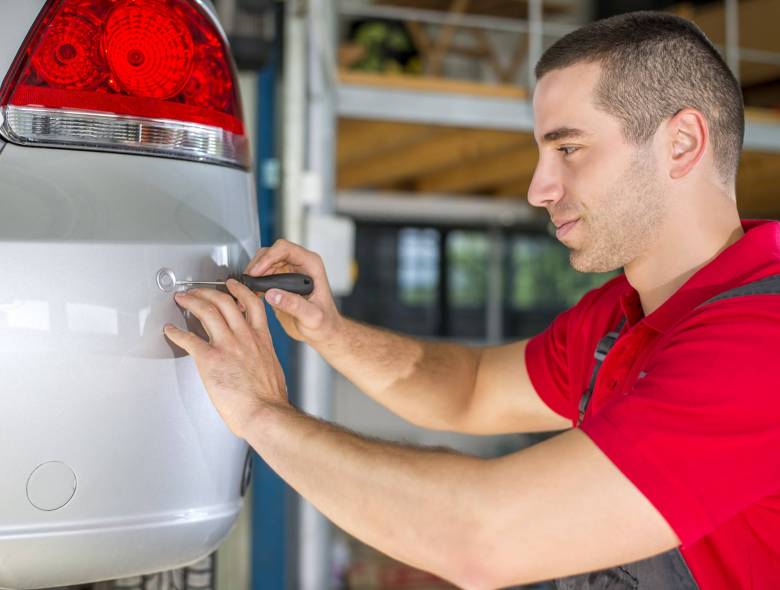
x=289, y=281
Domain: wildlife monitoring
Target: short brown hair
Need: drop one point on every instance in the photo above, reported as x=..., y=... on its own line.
x=653, y=66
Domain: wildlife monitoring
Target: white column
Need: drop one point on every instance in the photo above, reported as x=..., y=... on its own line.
x=315, y=195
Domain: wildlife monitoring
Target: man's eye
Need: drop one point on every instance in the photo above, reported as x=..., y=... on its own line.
x=567, y=149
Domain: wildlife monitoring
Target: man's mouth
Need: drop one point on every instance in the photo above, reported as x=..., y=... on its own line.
x=565, y=228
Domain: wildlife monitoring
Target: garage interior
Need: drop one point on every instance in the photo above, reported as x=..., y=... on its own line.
x=395, y=138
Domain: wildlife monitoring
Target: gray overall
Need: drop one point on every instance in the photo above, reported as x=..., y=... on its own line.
x=667, y=570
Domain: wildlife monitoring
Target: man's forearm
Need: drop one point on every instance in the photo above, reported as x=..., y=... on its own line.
x=428, y=383
x=389, y=496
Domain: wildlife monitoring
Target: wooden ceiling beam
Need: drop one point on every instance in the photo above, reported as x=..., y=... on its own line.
x=447, y=149
x=431, y=84
x=485, y=172
x=359, y=139
x=515, y=189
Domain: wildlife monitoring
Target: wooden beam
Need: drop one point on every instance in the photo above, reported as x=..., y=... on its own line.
x=486, y=172
x=435, y=61
x=419, y=38
x=508, y=74
x=423, y=84
x=450, y=148
x=515, y=189
x=359, y=139
x=483, y=42
x=518, y=59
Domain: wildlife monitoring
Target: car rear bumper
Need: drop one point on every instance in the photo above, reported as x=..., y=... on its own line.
x=84, y=550
x=90, y=383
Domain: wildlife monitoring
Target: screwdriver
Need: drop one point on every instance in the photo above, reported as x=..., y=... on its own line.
x=293, y=282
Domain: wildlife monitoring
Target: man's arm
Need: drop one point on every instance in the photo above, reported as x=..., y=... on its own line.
x=438, y=385
x=555, y=509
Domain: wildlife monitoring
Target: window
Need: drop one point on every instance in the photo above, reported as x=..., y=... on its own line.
x=418, y=266
x=404, y=284
x=541, y=276
x=467, y=261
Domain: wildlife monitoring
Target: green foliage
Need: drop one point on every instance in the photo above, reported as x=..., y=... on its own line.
x=387, y=49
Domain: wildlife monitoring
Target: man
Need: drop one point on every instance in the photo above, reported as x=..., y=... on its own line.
x=639, y=125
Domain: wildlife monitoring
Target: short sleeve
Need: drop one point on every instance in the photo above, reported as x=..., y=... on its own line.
x=548, y=363
x=699, y=435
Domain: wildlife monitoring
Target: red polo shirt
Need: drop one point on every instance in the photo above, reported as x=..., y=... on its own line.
x=687, y=405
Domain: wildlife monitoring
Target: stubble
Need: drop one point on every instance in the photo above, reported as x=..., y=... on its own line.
x=625, y=222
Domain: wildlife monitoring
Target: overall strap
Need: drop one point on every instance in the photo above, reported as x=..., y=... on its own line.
x=766, y=286
x=602, y=348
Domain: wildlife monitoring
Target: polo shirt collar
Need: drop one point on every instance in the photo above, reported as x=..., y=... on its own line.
x=758, y=248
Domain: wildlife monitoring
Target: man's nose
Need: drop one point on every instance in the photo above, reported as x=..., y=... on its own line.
x=546, y=185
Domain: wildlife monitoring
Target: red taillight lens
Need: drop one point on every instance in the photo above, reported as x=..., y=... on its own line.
x=160, y=68
x=149, y=49
x=69, y=52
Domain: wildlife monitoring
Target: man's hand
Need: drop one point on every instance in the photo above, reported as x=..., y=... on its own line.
x=313, y=319
x=238, y=365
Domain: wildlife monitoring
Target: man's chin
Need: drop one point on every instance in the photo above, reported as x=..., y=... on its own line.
x=582, y=263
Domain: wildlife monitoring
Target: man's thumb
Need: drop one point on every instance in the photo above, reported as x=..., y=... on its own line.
x=305, y=312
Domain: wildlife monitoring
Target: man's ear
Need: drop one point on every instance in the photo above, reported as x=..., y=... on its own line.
x=688, y=137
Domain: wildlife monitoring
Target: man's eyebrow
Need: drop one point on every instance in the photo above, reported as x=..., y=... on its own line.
x=562, y=133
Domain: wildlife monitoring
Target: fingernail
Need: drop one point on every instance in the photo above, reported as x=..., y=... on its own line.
x=168, y=327
x=274, y=297
x=180, y=295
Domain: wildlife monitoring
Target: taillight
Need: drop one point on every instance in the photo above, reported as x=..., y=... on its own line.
x=149, y=76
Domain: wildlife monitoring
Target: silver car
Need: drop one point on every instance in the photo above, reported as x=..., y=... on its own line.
x=122, y=152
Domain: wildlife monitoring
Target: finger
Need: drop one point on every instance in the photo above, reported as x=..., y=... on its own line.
x=208, y=314
x=255, y=312
x=194, y=345
x=228, y=308
x=282, y=251
x=309, y=315
x=255, y=258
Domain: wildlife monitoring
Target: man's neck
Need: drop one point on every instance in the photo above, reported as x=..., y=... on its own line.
x=682, y=250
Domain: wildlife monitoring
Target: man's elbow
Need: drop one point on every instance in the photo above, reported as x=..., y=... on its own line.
x=467, y=573
x=473, y=565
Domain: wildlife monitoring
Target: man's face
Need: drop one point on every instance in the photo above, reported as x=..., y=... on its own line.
x=588, y=172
